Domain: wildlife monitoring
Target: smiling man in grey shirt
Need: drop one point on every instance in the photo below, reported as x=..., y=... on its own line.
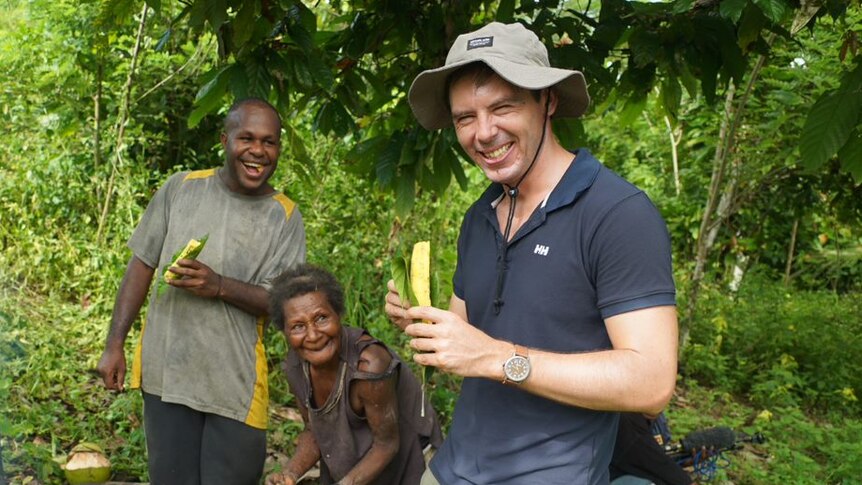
x=200, y=360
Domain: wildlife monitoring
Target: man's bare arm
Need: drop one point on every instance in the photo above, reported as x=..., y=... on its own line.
x=638, y=374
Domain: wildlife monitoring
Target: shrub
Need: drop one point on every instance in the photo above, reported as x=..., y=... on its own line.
x=780, y=346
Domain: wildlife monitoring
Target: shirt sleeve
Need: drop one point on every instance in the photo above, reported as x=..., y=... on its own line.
x=149, y=236
x=631, y=257
x=290, y=252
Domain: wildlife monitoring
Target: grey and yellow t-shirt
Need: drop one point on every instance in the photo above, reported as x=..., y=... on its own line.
x=201, y=352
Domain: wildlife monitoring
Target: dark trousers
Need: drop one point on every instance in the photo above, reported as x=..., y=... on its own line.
x=188, y=447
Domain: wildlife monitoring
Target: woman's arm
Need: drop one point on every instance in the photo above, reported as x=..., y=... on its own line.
x=306, y=455
x=378, y=401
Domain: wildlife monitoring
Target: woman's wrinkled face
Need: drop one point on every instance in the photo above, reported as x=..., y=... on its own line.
x=313, y=329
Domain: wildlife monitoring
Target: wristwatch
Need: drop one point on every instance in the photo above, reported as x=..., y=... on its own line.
x=517, y=368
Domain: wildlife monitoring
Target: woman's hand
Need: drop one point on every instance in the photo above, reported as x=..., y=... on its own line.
x=281, y=478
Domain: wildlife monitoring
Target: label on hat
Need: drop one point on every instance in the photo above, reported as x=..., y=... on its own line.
x=480, y=42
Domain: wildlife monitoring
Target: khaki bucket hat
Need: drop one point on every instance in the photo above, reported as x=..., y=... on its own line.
x=515, y=54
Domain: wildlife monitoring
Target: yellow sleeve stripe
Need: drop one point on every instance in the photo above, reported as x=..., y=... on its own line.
x=136, y=360
x=286, y=203
x=200, y=174
x=258, y=411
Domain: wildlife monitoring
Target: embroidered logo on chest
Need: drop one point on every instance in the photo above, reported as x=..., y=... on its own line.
x=541, y=250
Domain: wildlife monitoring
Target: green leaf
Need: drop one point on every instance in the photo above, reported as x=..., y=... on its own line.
x=213, y=84
x=632, y=108
x=688, y=80
x=294, y=142
x=442, y=173
x=457, y=170
x=210, y=96
x=301, y=73
x=301, y=36
x=773, y=9
x=750, y=26
x=216, y=12
x=388, y=161
x=259, y=80
x=506, y=11
x=732, y=9
x=405, y=190
x=363, y=155
x=154, y=4
x=400, y=270
x=320, y=72
x=163, y=40
x=197, y=15
x=671, y=97
x=644, y=46
x=851, y=155
x=682, y=6
x=570, y=131
x=828, y=126
x=243, y=24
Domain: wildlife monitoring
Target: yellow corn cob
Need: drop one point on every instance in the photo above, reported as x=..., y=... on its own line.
x=190, y=251
x=420, y=284
x=420, y=272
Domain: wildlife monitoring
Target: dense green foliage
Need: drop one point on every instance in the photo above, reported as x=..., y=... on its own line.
x=765, y=354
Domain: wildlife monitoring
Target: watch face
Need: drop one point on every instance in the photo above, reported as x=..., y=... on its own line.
x=517, y=368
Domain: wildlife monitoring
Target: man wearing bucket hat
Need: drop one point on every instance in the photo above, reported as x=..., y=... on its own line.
x=564, y=303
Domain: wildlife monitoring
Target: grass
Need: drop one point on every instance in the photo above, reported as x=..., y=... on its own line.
x=51, y=400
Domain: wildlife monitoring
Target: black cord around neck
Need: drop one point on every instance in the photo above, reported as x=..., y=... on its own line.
x=512, y=192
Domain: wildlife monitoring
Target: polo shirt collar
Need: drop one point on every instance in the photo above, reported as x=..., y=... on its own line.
x=578, y=178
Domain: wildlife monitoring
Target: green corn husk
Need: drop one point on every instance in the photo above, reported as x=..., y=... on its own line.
x=191, y=250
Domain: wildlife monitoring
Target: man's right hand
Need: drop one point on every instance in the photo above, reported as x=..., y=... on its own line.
x=395, y=308
x=112, y=368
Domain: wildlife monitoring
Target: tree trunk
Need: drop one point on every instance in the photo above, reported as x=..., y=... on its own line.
x=719, y=203
x=97, y=116
x=122, y=116
x=674, y=147
x=790, y=251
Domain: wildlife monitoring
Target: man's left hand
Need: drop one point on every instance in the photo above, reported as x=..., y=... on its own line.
x=196, y=277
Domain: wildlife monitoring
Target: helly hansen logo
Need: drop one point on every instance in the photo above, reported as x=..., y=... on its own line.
x=480, y=42
x=541, y=250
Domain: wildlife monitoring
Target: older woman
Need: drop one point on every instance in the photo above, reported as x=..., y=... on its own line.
x=361, y=405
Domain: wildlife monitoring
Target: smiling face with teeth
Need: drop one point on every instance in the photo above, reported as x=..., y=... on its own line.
x=252, y=143
x=313, y=329
x=498, y=124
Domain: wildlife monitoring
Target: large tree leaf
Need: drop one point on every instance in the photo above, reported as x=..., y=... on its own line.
x=361, y=159
x=750, y=27
x=389, y=157
x=773, y=9
x=243, y=23
x=732, y=9
x=399, y=268
x=405, y=189
x=293, y=140
x=828, y=126
x=851, y=155
x=506, y=11
x=209, y=97
x=671, y=97
x=832, y=120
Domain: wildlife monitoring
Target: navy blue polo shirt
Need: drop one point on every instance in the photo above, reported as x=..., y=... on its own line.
x=598, y=247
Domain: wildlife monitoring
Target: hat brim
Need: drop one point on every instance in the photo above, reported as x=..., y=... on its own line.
x=429, y=100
